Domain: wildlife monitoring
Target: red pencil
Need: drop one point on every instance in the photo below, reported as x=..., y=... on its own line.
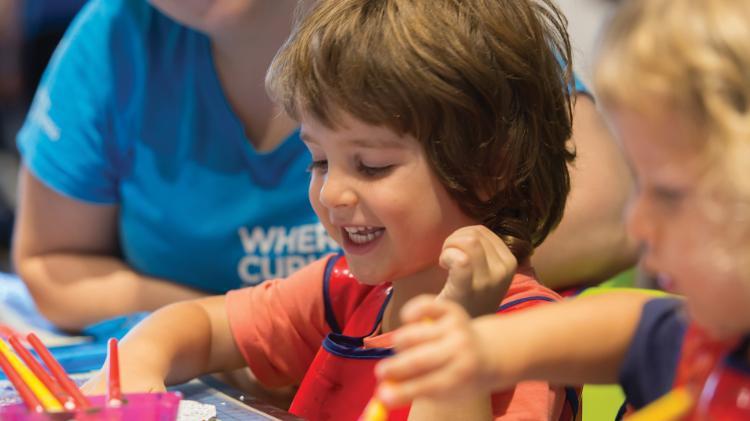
x=56, y=369
x=28, y=397
x=114, y=394
x=41, y=373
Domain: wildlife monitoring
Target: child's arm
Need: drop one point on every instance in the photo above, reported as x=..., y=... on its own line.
x=66, y=249
x=177, y=343
x=574, y=342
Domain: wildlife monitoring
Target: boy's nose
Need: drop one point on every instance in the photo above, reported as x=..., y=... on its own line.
x=639, y=221
x=336, y=192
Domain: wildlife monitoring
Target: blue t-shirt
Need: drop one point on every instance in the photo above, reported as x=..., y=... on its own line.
x=131, y=112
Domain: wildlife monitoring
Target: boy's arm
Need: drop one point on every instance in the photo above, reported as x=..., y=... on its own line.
x=177, y=343
x=477, y=408
x=574, y=342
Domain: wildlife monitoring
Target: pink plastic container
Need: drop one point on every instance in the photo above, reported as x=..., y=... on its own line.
x=136, y=406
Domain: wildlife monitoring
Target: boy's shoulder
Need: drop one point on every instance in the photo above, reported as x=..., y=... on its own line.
x=526, y=291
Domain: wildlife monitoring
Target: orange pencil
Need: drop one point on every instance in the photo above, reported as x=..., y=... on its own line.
x=36, y=368
x=28, y=397
x=114, y=394
x=56, y=369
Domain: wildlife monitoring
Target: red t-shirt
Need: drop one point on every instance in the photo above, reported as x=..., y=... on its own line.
x=279, y=327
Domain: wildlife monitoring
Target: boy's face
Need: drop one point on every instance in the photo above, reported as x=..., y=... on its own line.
x=671, y=216
x=377, y=196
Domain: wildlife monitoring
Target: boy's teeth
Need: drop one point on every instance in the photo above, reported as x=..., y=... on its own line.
x=361, y=235
x=354, y=230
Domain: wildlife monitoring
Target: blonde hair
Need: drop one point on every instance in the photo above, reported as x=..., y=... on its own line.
x=692, y=56
x=481, y=84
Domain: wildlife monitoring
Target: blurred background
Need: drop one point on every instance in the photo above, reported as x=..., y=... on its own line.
x=31, y=29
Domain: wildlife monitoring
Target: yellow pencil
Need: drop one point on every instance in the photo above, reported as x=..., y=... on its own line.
x=374, y=411
x=48, y=401
x=671, y=406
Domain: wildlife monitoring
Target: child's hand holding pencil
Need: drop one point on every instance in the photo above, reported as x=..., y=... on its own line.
x=439, y=355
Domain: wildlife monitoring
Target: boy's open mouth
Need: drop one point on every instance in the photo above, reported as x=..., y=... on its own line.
x=363, y=235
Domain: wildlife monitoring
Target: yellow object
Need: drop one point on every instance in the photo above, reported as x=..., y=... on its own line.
x=48, y=401
x=374, y=411
x=672, y=406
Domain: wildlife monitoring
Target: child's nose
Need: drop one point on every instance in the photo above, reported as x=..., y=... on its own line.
x=640, y=223
x=337, y=192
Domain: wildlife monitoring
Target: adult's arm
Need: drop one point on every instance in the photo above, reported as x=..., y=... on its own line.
x=590, y=244
x=66, y=251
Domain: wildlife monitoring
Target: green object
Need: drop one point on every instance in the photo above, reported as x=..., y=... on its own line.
x=601, y=402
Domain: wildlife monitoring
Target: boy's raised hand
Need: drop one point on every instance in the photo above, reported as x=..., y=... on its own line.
x=480, y=267
x=439, y=355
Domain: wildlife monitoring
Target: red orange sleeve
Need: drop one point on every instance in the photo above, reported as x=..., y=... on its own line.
x=279, y=325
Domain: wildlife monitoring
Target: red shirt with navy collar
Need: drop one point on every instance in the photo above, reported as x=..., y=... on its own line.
x=319, y=328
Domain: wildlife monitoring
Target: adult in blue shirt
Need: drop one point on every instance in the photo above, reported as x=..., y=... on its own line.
x=156, y=169
x=153, y=153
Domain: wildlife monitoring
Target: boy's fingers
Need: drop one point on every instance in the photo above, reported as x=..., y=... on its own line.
x=452, y=258
x=413, y=363
x=423, y=307
x=415, y=334
x=430, y=385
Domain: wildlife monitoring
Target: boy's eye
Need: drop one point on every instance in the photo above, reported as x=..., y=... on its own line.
x=319, y=165
x=369, y=171
x=669, y=196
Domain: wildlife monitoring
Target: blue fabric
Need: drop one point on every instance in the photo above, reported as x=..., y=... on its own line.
x=131, y=112
x=650, y=364
x=580, y=87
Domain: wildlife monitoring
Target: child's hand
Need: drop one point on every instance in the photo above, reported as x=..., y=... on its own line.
x=132, y=382
x=438, y=355
x=480, y=267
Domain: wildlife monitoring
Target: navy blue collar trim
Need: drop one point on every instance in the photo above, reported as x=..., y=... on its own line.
x=352, y=347
x=737, y=359
x=329, y=313
x=524, y=300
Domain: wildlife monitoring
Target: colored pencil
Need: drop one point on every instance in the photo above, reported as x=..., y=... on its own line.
x=31, y=401
x=114, y=394
x=58, y=372
x=49, y=402
x=41, y=373
x=672, y=406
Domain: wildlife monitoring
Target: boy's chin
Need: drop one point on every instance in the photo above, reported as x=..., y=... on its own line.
x=718, y=330
x=366, y=276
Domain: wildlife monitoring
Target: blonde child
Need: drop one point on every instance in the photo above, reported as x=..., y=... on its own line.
x=438, y=138
x=673, y=79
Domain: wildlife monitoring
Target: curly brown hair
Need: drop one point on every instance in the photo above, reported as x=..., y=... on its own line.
x=482, y=84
